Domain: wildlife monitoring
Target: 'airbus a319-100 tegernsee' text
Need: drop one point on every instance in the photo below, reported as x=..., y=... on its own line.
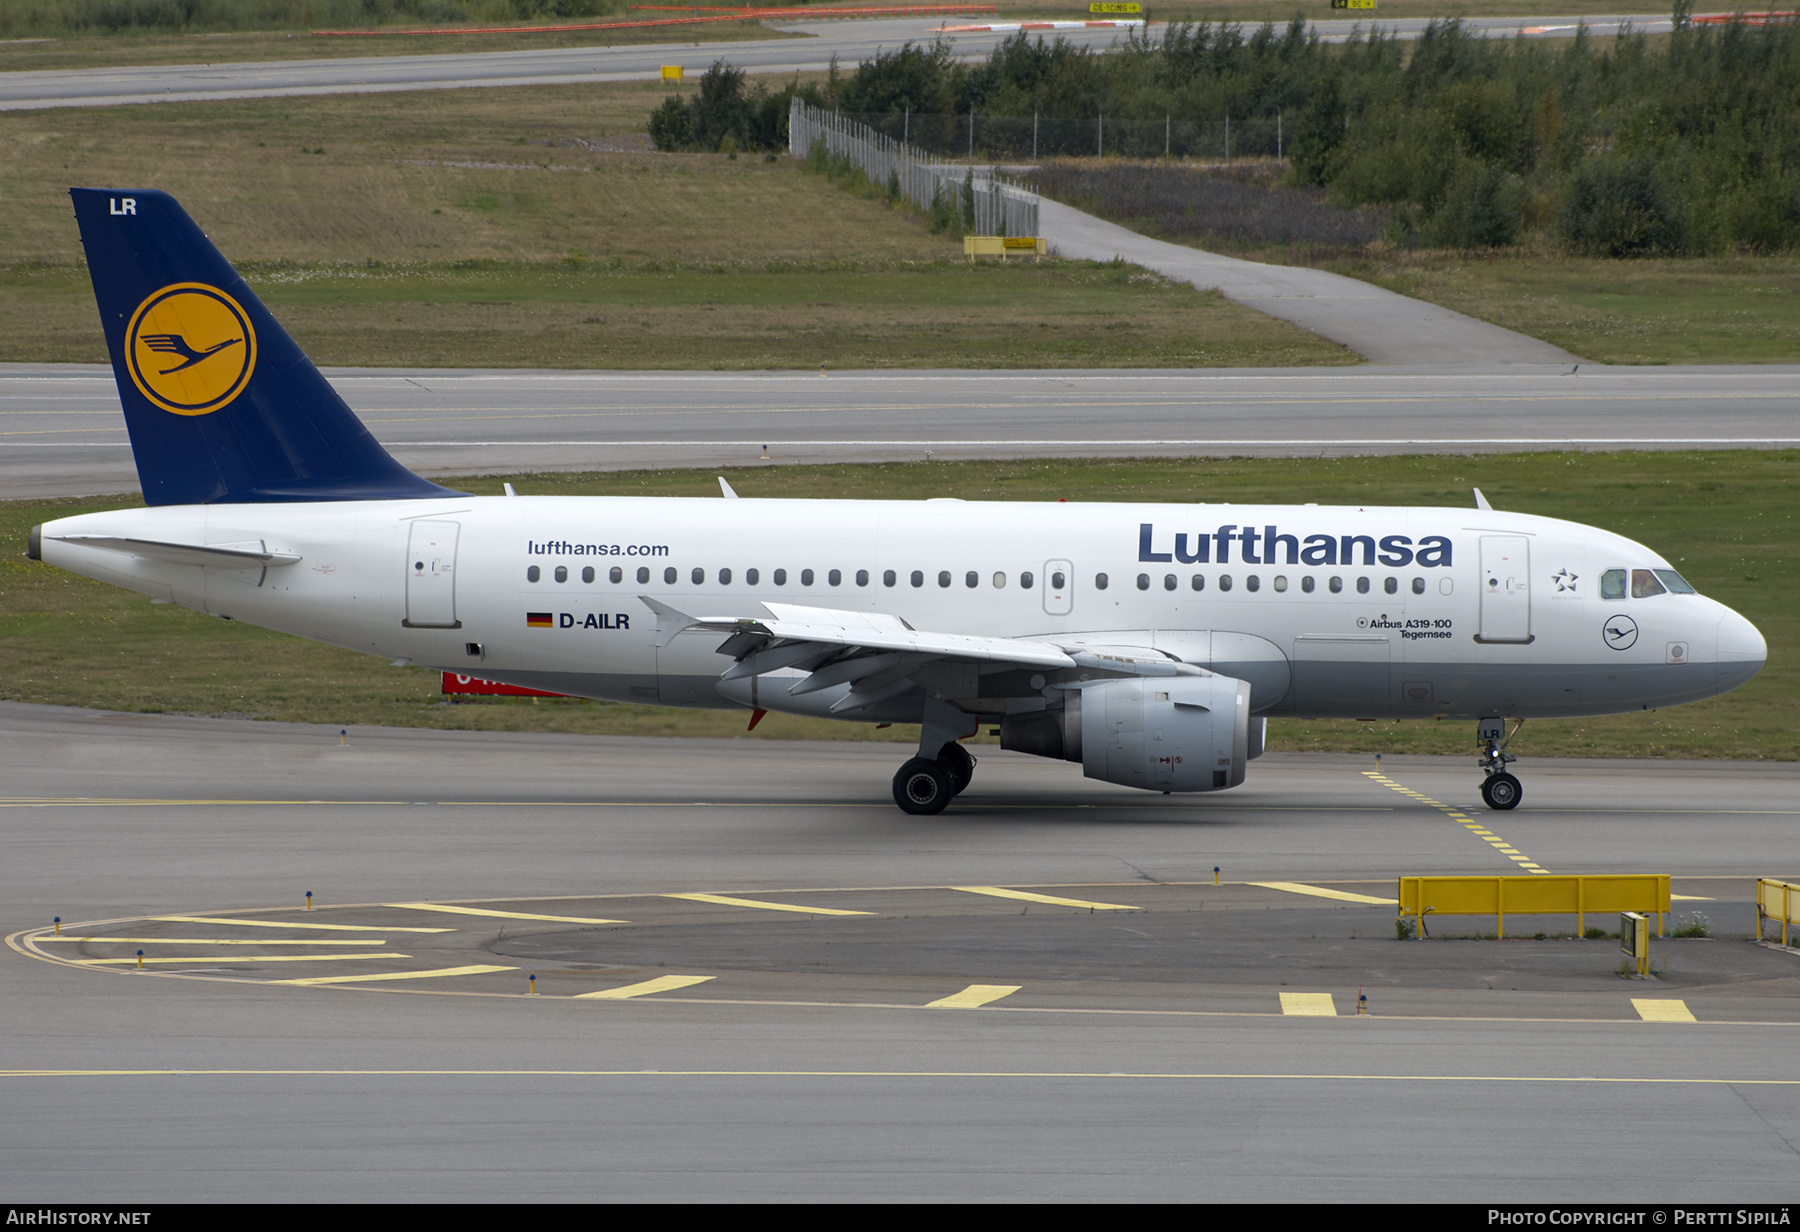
x=1149, y=643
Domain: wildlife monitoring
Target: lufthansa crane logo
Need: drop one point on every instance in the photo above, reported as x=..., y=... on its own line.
x=190, y=348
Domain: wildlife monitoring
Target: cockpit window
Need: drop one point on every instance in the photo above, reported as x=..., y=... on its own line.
x=1644, y=584
x=1612, y=584
x=1674, y=581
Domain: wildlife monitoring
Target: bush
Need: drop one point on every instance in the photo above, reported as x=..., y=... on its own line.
x=1481, y=209
x=1620, y=208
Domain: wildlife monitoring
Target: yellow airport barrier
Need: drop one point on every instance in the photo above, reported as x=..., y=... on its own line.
x=1776, y=900
x=1002, y=246
x=671, y=72
x=1504, y=896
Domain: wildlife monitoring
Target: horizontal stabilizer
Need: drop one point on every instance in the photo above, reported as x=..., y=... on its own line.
x=252, y=555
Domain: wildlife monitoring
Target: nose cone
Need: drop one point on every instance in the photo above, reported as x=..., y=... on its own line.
x=1742, y=651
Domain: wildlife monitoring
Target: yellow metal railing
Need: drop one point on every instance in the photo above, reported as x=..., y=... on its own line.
x=1777, y=900
x=1002, y=246
x=1504, y=896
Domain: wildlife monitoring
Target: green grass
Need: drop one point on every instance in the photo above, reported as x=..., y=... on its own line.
x=1660, y=310
x=1726, y=518
x=582, y=314
x=527, y=228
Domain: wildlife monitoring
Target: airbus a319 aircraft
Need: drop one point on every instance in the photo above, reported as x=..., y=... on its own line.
x=1149, y=643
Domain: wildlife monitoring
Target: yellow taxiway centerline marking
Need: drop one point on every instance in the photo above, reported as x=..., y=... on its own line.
x=191, y=959
x=441, y=972
x=1474, y=827
x=216, y=940
x=1295, y=887
x=1308, y=1005
x=973, y=997
x=1025, y=896
x=724, y=900
x=336, y=928
x=1651, y=1010
x=500, y=915
x=662, y=983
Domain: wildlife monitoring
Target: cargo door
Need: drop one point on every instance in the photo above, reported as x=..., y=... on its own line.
x=431, y=576
x=1505, y=589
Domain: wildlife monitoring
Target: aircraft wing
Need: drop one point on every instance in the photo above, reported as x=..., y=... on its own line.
x=877, y=654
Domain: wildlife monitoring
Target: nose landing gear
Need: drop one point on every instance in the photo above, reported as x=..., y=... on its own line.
x=1499, y=790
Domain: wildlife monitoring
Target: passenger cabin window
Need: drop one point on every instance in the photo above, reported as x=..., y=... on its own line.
x=780, y=577
x=1253, y=583
x=1197, y=582
x=533, y=574
x=699, y=576
x=1224, y=581
x=643, y=574
x=616, y=574
x=562, y=573
x=724, y=577
x=971, y=579
x=862, y=577
x=1026, y=580
x=1391, y=585
x=943, y=577
x=835, y=577
x=1169, y=581
x=752, y=576
x=669, y=576
x=806, y=577
x=1099, y=582
x=1306, y=584
x=1143, y=581
x=1362, y=586
x=889, y=578
x=587, y=574
x=918, y=577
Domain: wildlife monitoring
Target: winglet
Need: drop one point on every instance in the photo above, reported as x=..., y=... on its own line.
x=725, y=489
x=1481, y=501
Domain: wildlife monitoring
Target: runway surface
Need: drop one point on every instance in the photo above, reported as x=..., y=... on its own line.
x=964, y=1039
x=849, y=41
x=61, y=430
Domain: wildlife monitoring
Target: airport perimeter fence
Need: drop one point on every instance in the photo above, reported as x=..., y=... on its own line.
x=1001, y=207
x=973, y=136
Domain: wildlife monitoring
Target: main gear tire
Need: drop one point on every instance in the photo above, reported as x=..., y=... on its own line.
x=923, y=787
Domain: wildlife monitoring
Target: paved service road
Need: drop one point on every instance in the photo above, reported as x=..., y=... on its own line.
x=952, y=1043
x=1379, y=325
x=850, y=41
x=61, y=431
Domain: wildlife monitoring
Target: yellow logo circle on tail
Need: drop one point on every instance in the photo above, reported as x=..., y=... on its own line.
x=190, y=348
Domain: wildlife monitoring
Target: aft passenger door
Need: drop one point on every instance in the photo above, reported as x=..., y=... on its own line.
x=1505, y=589
x=431, y=576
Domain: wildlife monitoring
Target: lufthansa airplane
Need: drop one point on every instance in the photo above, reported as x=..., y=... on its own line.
x=1150, y=643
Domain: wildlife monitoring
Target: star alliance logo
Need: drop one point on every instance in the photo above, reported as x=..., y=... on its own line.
x=1565, y=582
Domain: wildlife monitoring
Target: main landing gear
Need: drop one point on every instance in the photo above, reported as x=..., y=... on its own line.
x=1499, y=790
x=926, y=785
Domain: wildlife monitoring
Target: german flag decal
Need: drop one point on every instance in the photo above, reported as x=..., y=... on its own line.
x=539, y=620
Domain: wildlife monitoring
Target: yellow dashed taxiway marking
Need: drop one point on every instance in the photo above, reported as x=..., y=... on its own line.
x=191, y=959
x=440, y=973
x=1308, y=1005
x=1651, y=1010
x=1294, y=887
x=974, y=996
x=215, y=940
x=336, y=928
x=725, y=900
x=499, y=915
x=1474, y=827
x=1026, y=896
x=662, y=983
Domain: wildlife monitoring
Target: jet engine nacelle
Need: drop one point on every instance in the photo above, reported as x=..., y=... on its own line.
x=1163, y=733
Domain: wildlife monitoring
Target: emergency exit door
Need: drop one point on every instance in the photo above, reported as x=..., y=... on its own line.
x=431, y=576
x=1505, y=589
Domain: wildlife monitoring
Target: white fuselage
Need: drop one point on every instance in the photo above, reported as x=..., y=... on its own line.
x=1326, y=611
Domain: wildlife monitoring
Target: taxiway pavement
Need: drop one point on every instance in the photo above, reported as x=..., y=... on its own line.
x=804, y=1058
x=62, y=433
x=847, y=41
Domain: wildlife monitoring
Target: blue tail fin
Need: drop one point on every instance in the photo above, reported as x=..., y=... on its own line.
x=221, y=404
